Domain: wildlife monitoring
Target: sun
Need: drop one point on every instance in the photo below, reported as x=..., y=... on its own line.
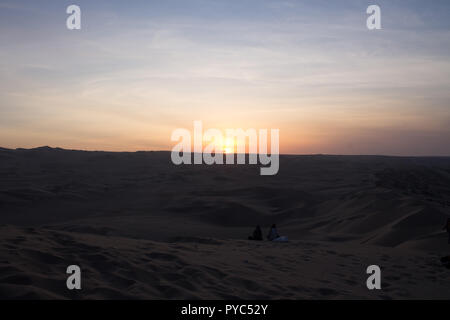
x=228, y=145
x=221, y=145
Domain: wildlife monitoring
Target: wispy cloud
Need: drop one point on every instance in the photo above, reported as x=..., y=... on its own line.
x=135, y=72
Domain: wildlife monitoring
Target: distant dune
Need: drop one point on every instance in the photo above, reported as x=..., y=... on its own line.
x=141, y=227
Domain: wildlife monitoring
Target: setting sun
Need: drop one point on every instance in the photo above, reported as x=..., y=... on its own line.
x=228, y=145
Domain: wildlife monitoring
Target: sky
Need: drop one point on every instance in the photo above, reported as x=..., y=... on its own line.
x=137, y=70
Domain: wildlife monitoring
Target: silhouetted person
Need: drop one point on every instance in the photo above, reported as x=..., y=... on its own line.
x=273, y=233
x=447, y=227
x=257, y=234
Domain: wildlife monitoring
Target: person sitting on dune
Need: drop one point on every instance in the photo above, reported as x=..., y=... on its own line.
x=274, y=236
x=257, y=234
x=447, y=227
x=273, y=233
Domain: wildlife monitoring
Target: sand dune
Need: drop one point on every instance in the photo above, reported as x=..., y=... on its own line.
x=34, y=261
x=140, y=227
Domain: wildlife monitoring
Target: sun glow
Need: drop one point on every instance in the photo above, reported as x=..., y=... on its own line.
x=228, y=145
x=221, y=145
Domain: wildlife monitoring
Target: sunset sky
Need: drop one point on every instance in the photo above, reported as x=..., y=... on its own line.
x=137, y=70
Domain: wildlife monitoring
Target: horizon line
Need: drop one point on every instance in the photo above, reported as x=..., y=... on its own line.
x=281, y=154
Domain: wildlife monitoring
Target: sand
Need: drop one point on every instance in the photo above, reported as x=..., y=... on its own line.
x=141, y=228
